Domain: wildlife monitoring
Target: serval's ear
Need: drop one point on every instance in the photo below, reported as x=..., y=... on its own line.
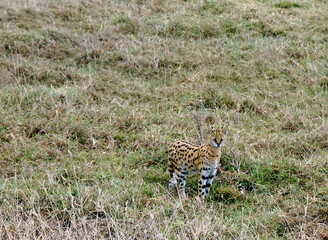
x=222, y=130
x=213, y=130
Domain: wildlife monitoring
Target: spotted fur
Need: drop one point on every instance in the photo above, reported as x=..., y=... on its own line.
x=186, y=157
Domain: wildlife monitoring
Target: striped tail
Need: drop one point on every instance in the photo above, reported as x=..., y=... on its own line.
x=173, y=180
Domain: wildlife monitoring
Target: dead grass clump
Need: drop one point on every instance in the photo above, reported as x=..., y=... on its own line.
x=321, y=215
x=305, y=145
x=127, y=25
x=47, y=74
x=318, y=137
x=215, y=8
x=59, y=45
x=268, y=29
x=220, y=102
x=101, y=139
x=78, y=133
x=35, y=130
x=131, y=122
x=227, y=194
x=292, y=123
x=23, y=130
x=153, y=68
x=43, y=43
x=59, y=143
x=309, y=225
x=299, y=147
x=38, y=226
x=22, y=43
x=70, y=12
x=201, y=30
x=26, y=18
x=88, y=57
x=176, y=62
x=289, y=224
x=323, y=83
x=211, y=98
x=250, y=105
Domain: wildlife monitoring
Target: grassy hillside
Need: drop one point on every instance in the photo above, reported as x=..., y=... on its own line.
x=93, y=92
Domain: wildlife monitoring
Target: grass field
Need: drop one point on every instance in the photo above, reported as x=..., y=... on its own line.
x=93, y=92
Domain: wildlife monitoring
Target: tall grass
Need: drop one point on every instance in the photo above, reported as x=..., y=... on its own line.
x=93, y=92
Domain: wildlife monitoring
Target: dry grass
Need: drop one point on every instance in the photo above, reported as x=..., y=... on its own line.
x=92, y=93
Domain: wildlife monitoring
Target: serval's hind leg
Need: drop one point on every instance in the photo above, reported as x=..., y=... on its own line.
x=173, y=181
x=182, y=182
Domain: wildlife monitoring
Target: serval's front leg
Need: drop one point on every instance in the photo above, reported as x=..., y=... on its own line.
x=202, y=183
x=210, y=179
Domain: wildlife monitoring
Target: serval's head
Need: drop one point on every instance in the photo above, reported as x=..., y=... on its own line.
x=216, y=137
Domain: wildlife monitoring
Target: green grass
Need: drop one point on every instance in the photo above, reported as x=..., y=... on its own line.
x=93, y=92
x=287, y=4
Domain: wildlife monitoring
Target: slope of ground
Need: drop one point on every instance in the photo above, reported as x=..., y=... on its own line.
x=93, y=92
